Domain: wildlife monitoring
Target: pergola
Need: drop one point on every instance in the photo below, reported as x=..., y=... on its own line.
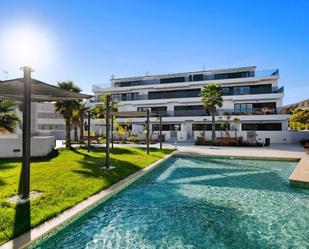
x=110, y=126
x=30, y=90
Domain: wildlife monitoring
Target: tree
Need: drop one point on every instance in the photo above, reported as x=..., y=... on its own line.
x=299, y=119
x=211, y=99
x=81, y=111
x=8, y=117
x=227, y=123
x=76, y=123
x=236, y=122
x=100, y=108
x=67, y=107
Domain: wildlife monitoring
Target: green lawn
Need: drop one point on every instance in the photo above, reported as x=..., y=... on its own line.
x=65, y=178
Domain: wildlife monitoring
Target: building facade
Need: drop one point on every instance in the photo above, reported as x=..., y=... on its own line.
x=254, y=97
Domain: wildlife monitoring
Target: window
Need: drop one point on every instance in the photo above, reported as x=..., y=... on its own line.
x=174, y=94
x=198, y=77
x=207, y=127
x=190, y=110
x=172, y=80
x=243, y=108
x=125, y=96
x=232, y=75
x=129, y=83
x=265, y=88
x=155, y=109
x=51, y=127
x=142, y=109
x=167, y=127
x=256, y=108
x=241, y=90
x=261, y=127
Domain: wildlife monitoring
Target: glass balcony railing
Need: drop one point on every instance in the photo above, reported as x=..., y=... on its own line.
x=204, y=76
x=223, y=112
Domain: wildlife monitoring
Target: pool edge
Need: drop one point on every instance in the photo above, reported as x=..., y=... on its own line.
x=53, y=224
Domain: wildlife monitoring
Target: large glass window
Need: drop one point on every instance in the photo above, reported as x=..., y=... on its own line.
x=256, y=108
x=259, y=89
x=207, y=127
x=172, y=80
x=167, y=127
x=198, y=77
x=174, y=94
x=125, y=96
x=241, y=90
x=243, y=108
x=261, y=126
x=231, y=75
x=190, y=110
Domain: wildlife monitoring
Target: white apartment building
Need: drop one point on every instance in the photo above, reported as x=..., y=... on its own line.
x=49, y=122
x=254, y=97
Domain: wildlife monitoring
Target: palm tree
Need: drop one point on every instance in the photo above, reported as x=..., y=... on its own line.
x=100, y=109
x=236, y=122
x=67, y=107
x=76, y=123
x=212, y=98
x=81, y=111
x=8, y=118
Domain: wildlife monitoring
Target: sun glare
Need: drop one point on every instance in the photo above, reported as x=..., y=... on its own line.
x=26, y=45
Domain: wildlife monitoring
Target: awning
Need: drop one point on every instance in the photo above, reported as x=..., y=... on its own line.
x=40, y=91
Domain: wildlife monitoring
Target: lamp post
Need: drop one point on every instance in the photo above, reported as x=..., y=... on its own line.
x=147, y=134
x=160, y=118
x=25, y=190
x=88, y=131
x=107, y=119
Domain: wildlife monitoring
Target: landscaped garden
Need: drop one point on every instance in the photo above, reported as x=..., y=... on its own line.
x=64, y=178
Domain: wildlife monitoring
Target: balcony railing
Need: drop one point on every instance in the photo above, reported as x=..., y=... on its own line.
x=223, y=112
x=205, y=77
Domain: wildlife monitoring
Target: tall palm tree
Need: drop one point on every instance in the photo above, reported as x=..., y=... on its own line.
x=81, y=112
x=100, y=108
x=236, y=122
x=8, y=118
x=75, y=123
x=212, y=98
x=67, y=107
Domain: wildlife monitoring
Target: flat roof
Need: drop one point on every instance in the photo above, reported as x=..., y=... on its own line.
x=40, y=91
x=236, y=69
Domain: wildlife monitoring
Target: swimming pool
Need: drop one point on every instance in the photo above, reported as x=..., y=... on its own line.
x=197, y=202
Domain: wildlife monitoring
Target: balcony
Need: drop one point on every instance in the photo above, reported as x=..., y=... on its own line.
x=198, y=76
x=223, y=112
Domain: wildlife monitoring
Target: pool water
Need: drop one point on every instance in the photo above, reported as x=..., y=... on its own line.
x=197, y=202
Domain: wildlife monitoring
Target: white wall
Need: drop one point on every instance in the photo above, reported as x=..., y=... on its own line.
x=40, y=146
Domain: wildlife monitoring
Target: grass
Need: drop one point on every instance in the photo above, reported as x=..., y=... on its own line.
x=65, y=178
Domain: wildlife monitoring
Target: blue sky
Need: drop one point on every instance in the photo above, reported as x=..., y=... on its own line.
x=88, y=41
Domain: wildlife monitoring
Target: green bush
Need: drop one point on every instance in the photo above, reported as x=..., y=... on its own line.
x=132, y=139
x=101, y=140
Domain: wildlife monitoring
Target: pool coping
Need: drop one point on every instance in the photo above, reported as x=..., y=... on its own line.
x=51, y=225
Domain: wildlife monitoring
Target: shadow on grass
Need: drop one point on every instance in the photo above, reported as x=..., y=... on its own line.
x=2, y=183
x=22, y=219
x=3, y=161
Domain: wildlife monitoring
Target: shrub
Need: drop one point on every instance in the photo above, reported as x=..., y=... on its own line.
x=133, y=139
x=227, y=141
x=200, y=141
x=101, y=140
